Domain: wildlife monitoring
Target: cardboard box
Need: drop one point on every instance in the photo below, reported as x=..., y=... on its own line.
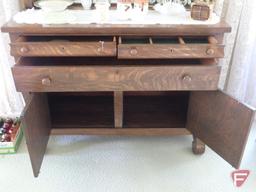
x=12, y=146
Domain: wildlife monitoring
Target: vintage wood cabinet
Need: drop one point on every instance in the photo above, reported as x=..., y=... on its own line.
x=126, y=80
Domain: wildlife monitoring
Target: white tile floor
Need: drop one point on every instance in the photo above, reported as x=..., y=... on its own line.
x=127, y=164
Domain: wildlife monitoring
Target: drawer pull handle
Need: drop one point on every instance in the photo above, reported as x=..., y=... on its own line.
x=24, y=50
x=133, y=51
x=210, y=51
x=186, y=78
x=62, y=49
x=46, y=81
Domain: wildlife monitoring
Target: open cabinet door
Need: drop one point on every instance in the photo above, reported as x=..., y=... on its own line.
x=221, y=122
x=36, y=119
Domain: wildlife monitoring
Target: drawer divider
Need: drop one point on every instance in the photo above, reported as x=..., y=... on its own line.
x=118, y=109
x=150, y=40
x=181, y=41
x=120, y=40
x=20, y=39
x=212, y=40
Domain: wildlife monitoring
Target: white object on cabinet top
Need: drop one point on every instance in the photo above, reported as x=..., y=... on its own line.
x=33, y=16
x=170, y=8
x=53, y=5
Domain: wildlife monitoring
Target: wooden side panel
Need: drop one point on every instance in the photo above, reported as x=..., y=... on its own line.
x=36, y=119
x=115, y=78
x=221, y=122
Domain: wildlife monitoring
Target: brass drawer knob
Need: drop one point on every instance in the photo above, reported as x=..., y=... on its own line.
x=62, y=49
x=133, y=51
x=46, y=81
x=186, y=78
x=210, y=51
x=24, y=50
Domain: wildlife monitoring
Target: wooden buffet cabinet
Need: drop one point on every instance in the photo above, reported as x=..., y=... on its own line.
x=122, y=79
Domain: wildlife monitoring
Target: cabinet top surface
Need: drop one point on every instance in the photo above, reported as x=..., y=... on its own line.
x=116, y=29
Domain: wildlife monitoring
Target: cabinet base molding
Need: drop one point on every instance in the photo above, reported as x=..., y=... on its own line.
x=121, y=131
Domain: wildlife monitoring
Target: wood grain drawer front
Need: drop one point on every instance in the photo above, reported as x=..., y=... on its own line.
x=64, y=46
x=118, y=78
x=167, y=48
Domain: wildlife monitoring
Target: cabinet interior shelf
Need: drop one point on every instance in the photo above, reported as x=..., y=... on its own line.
x=76, y=113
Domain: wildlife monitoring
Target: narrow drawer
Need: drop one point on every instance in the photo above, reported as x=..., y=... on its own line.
x=64, y=46
x=114, y=78
x=169, y=47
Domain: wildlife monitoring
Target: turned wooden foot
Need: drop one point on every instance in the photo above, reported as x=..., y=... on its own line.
x=198, y=147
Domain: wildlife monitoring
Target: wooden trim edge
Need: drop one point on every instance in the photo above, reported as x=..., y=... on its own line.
x=121, y=131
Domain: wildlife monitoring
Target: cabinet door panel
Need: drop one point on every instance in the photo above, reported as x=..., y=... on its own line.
x=36, y=119
x=221, y=122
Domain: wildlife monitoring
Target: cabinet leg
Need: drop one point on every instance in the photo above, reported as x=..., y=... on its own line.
x=198, y=147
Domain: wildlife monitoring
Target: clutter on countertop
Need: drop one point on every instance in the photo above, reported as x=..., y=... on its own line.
x=37, y=16
x=53, y=5
x=87, y=4
x=170, y=8
x=200, y=11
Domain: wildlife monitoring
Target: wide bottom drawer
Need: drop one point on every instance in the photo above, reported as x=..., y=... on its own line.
x=115, y=78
